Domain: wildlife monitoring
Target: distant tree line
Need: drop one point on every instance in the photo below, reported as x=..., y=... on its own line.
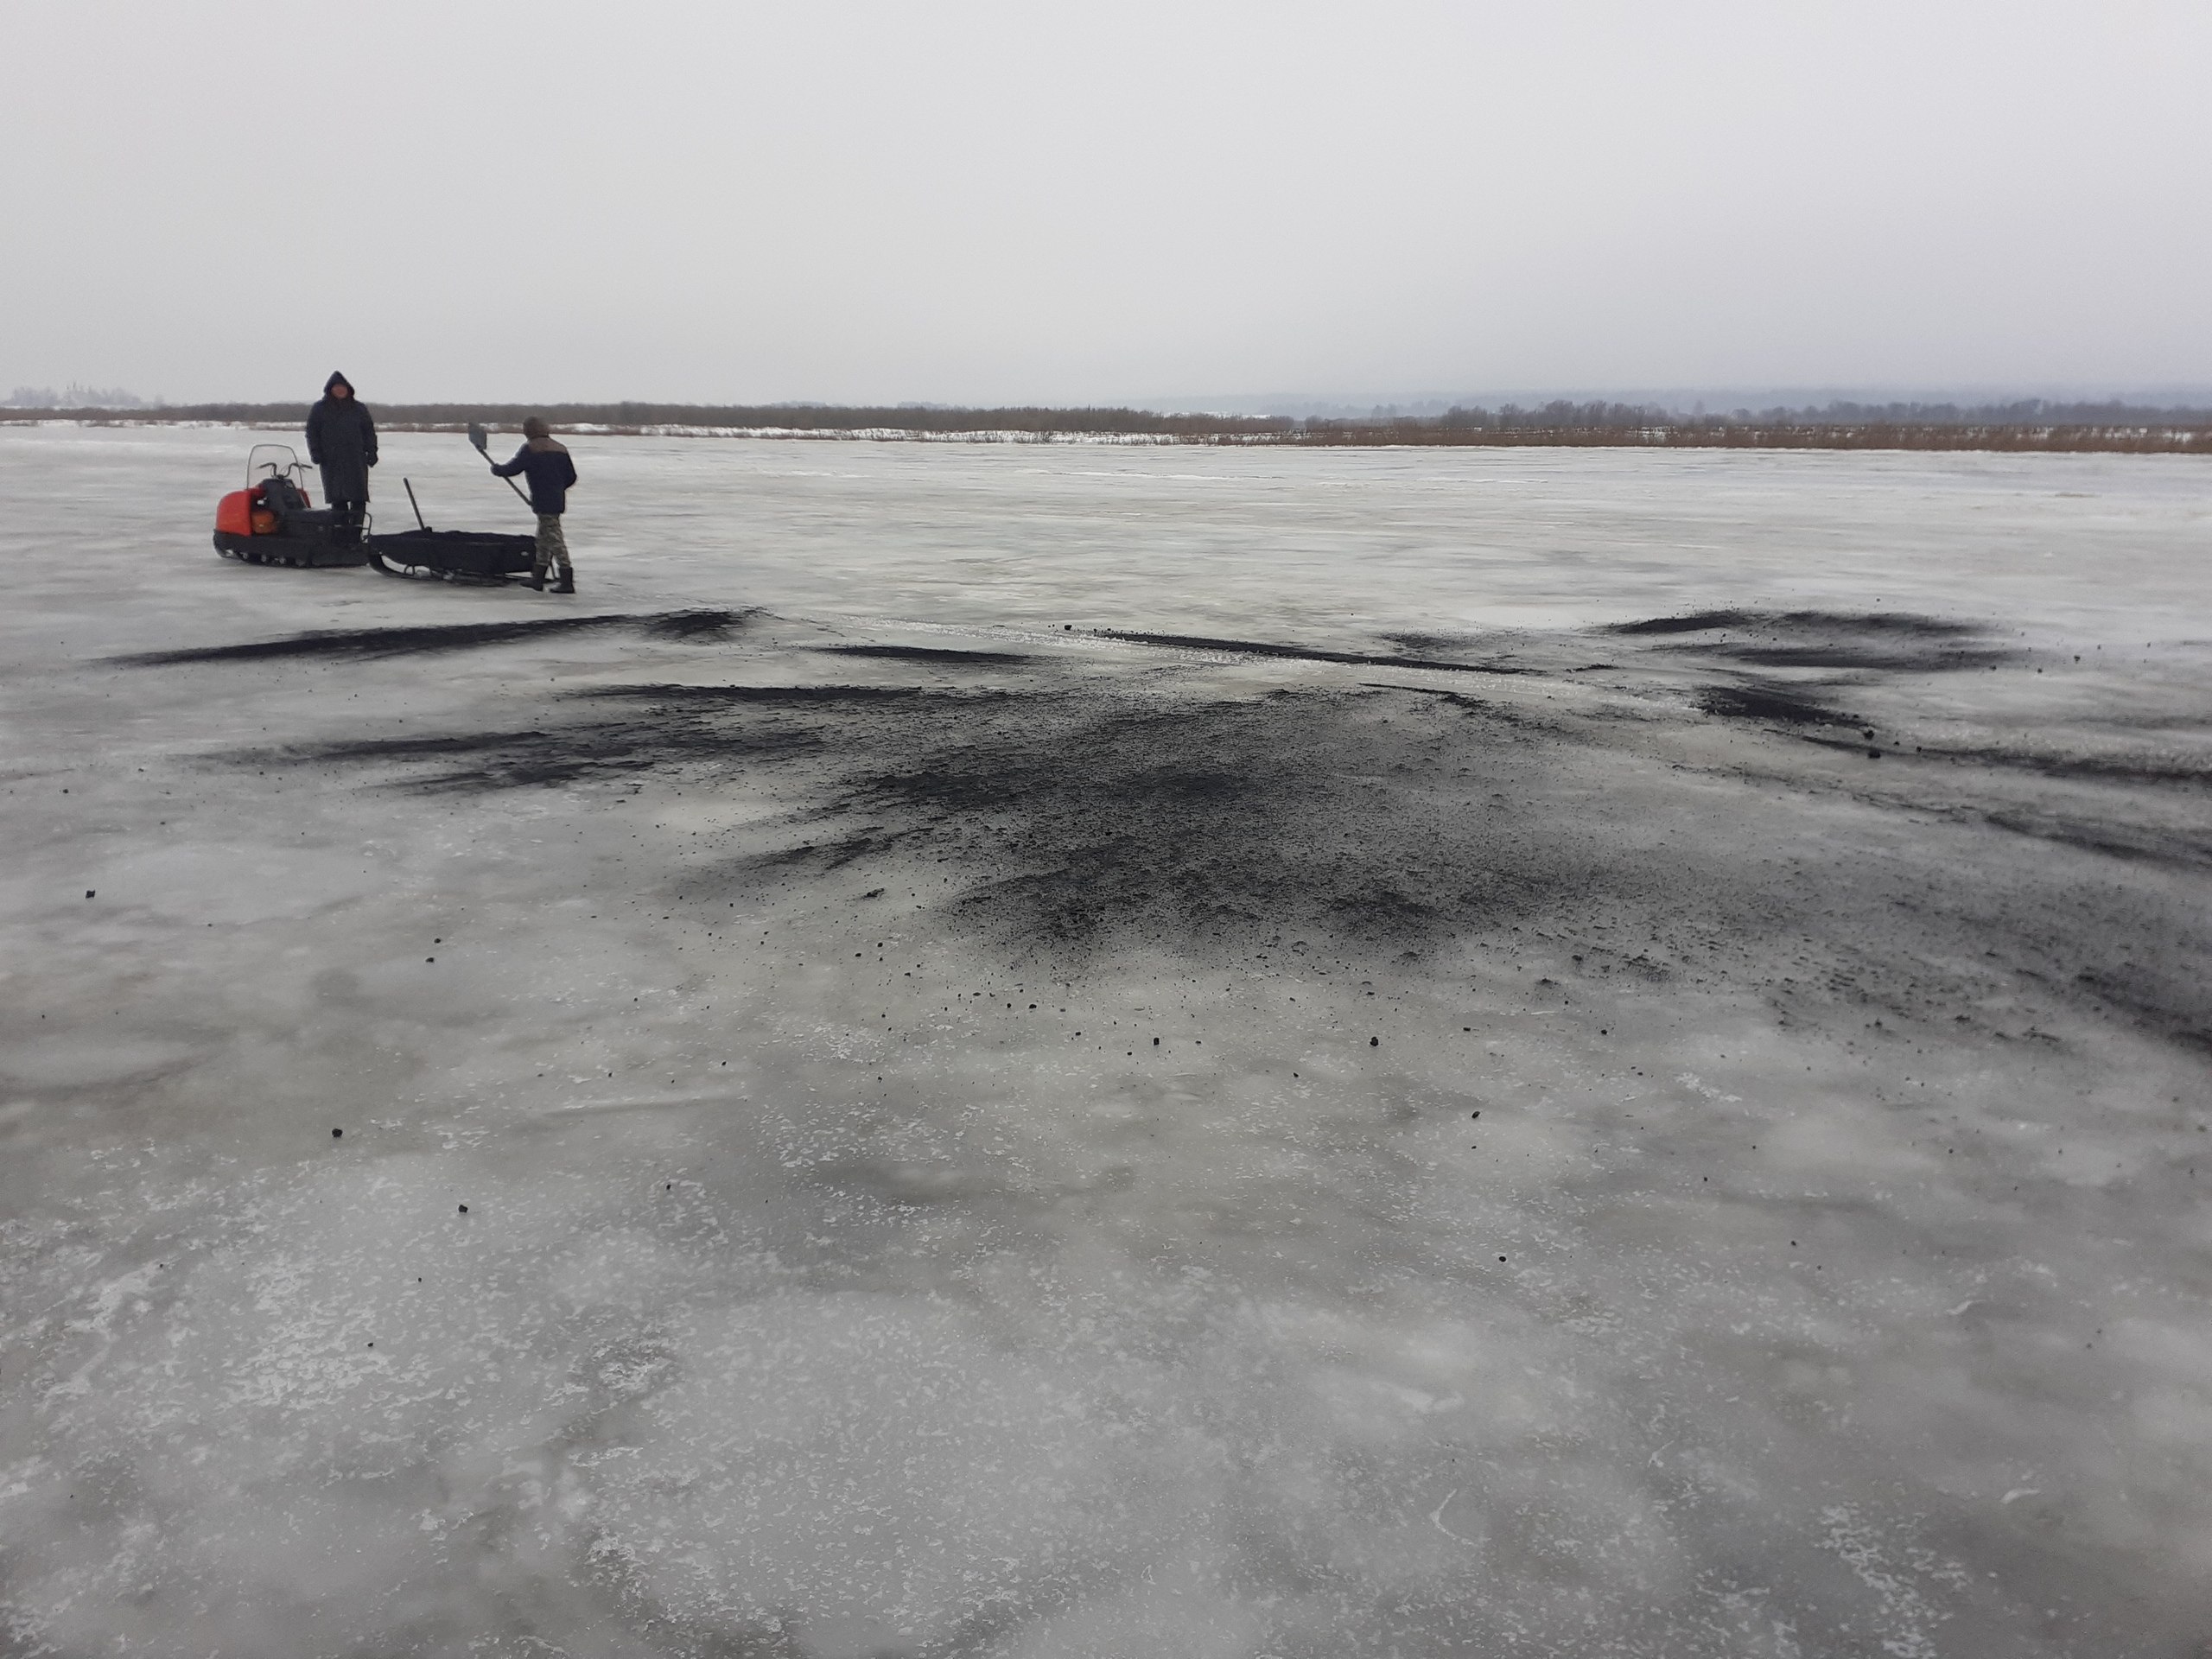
x=1566, y=416
x=2028, y=424
x=73, y=396
x=2032, y=423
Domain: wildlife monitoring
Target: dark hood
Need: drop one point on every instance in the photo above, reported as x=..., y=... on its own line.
x=336, y=380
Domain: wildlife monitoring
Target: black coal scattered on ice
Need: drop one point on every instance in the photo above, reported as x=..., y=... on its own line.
x=1842, y=1124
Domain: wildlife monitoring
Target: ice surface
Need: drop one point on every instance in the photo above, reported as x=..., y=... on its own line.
x=1533, y=1136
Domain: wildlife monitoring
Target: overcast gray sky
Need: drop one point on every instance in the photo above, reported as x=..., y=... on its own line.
x=1096, y=203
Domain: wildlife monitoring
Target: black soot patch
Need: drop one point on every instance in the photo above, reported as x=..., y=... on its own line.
x=428, y=639
x=697, y=625
x=1329, y=826
x=1236, y=822
x=1077, y=819
x=1783, y=705
x=1894, y=641
x=1694, y=622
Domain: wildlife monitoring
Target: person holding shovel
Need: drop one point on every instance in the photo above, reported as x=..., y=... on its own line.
x=545, y=460
x=342, y=440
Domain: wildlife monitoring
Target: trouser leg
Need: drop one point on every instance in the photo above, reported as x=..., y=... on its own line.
x=553, y=547
x=346, y=519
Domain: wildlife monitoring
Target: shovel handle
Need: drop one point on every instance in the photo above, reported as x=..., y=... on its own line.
x=485, y=450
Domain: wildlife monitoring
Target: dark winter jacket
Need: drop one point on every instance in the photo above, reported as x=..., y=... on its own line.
x=342, y=440
x=551, y=474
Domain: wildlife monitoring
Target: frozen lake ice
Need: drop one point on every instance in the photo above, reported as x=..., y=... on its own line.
x=1635, y=1082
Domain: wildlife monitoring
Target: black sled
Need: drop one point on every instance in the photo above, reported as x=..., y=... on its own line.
x=470, y=555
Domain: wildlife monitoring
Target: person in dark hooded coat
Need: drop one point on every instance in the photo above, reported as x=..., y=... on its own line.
x=342, y=440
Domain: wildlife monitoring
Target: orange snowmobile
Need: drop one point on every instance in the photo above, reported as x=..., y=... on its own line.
x=274, y=521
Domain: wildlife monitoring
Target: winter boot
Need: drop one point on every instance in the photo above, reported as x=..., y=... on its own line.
x=566, y=585
x=537, y=578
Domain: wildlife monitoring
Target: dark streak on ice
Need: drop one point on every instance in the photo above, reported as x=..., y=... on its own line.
x=1866, y=640
x=433, y=638
x=1867, y=622
x=1899, y=641
x=1302, y=653
x=930, y=654
x=2090, y=768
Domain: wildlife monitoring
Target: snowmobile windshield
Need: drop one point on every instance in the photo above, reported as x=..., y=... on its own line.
x=268, y=461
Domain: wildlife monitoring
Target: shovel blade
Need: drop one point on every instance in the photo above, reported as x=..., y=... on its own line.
x=476, y=437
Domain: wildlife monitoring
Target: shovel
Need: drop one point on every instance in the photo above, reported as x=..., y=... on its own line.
x=484, y=448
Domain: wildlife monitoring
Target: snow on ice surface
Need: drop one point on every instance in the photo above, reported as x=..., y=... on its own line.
x=963, y=1070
